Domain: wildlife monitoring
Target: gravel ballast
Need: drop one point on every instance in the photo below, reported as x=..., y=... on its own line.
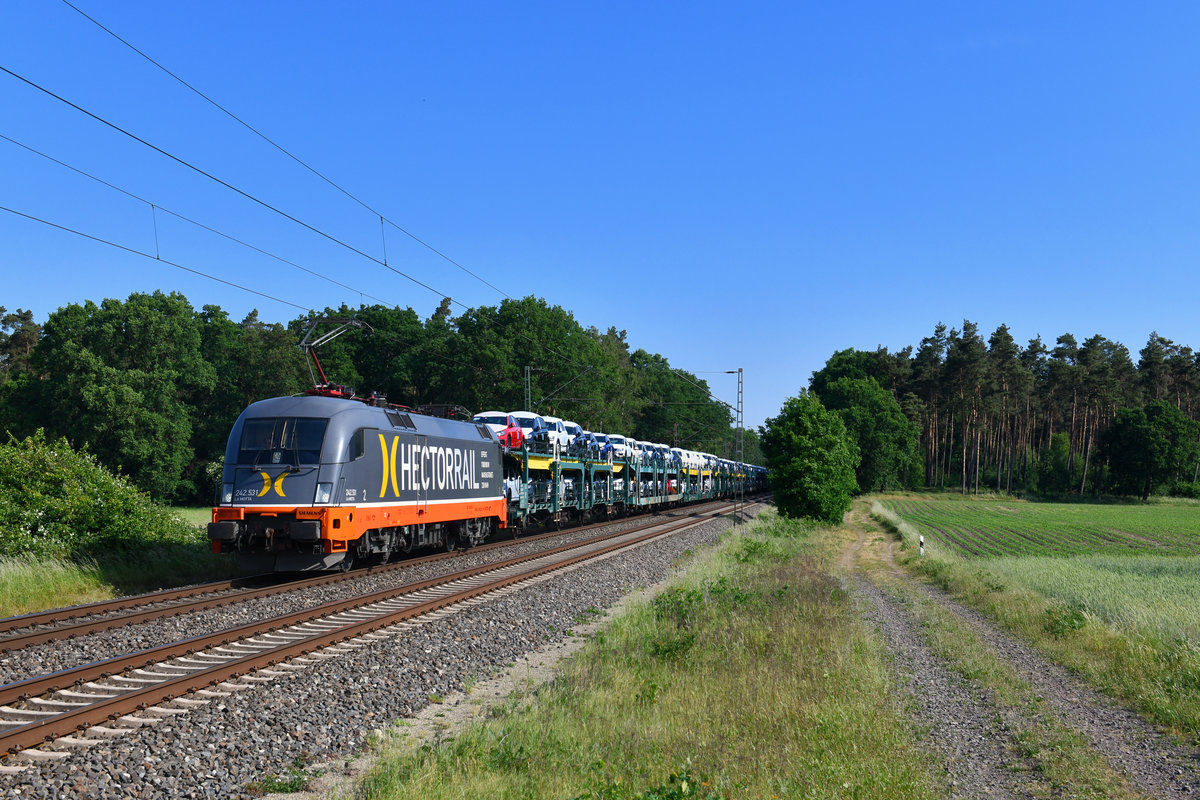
x=330, y=709
x=974, y=736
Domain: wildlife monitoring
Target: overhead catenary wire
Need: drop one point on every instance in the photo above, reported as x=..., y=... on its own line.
x=289, y=154
x=153, y=257
x=295, y=158
x=309, y=311
x=224, y=183
x=177, y=215
x=290, y=217
x=251, y=197
x=339, y=187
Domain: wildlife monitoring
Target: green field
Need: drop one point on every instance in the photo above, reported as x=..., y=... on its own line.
x=1108, y=590
x=987, y=527
x=1135, y=567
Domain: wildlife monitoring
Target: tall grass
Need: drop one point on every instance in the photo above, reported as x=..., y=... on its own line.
x=751, y=676
x=1154, y=594
x=36, y=582
x=1109, y=618
x=31, y=583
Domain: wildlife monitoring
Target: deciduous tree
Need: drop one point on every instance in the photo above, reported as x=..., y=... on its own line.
x=886, y=439
x=1150, y=447
x=811, y=460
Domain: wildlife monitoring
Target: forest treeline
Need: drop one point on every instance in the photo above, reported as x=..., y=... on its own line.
x=990, y=415
x=151, y=386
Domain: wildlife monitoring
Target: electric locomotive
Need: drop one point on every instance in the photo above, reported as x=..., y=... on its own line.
x=320, y=482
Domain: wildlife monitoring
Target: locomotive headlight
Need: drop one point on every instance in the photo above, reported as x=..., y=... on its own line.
x=226, y=492
x=324, y=492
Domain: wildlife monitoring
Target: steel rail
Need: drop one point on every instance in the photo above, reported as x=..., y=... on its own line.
x=119, y=604
x=76, y=624
x=18, y=690
x=108, y=707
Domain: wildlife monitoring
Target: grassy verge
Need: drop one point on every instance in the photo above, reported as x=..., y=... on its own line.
x=73, y=532
x=1155, y=672
x=30, y=583
x=750, y=676
x=1058, y=761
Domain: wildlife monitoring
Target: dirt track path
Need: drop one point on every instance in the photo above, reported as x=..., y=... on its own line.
x=975, y=736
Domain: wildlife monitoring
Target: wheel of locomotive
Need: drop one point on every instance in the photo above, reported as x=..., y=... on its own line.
x=451, y=541
x=476, y=531
x=358, y=551
x=382, y=551
x=389, y=549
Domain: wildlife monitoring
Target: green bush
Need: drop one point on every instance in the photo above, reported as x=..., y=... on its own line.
x=1189, y=489
x=57, y=502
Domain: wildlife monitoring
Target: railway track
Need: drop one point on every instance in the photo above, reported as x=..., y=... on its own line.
x=48, y=626
x=101, y=699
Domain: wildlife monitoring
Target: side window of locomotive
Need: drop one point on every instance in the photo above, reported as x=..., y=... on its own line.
x=357, y=445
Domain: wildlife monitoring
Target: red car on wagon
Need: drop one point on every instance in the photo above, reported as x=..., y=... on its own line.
x=504, y=426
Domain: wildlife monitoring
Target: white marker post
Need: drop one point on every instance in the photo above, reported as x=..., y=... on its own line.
x=922, y=544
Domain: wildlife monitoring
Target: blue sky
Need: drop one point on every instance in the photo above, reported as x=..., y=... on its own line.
x=750, y=185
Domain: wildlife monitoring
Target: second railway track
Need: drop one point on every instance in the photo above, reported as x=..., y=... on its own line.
x=53, y=625
x=60, y=705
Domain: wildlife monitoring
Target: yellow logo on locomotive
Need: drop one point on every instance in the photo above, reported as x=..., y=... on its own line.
x=408, y=467
x=386, y=471
x=267, y=484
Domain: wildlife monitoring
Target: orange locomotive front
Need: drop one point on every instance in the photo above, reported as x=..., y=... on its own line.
x=315, y=483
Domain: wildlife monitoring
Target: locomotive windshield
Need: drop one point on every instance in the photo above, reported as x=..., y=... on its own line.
x=281, y=440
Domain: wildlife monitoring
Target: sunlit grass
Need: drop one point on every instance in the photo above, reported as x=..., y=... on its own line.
x=1155, y=594
x=28, y=584
x=751, y=676
x=1125, y=622
x=198, y=516
x=37, y=583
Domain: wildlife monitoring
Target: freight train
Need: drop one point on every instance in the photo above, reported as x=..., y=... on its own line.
x=319, y=483
x=327, y=480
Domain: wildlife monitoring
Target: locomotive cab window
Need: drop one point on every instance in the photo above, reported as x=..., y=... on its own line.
x=294, y=441
x=357, y=445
